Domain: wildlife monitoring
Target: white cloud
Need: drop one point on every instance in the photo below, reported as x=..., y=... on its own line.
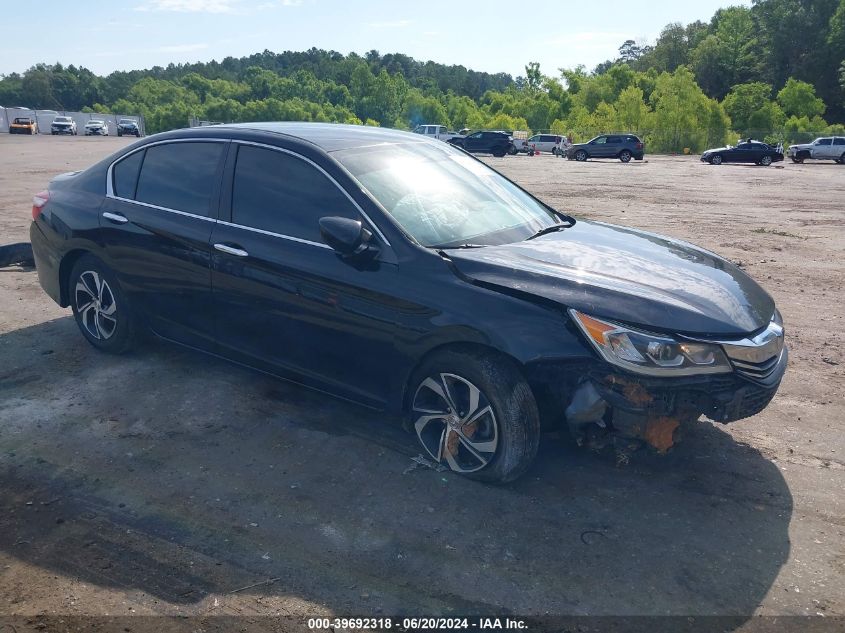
x=391, y=24
x=190, y=6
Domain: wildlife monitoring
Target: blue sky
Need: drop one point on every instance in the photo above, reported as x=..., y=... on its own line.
x=493, y=35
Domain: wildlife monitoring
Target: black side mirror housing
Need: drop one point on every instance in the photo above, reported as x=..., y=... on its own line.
x=347, y=237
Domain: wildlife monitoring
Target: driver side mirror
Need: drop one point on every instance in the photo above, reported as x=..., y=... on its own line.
x=349, y=238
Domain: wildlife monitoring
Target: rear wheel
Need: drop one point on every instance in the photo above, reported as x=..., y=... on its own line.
x=100, y=307
x=625, y=156
x=766, y=161
x=475, y=414
x=581, y=155
x=841, y=160
x=716, y=160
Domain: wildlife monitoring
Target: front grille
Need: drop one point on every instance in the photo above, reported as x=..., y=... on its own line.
x=756, y=370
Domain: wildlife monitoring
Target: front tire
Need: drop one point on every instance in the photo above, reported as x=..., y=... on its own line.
x=475, y=413
x=580, y=155
x=100, y=308
x=716, y=160
x=625, y=156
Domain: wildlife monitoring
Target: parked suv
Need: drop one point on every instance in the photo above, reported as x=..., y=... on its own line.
x=621, y=146
x=128, y=126
x=825, y=148
x=401, y=273
x=63, y=125
x=485, y=142
x=96, y=127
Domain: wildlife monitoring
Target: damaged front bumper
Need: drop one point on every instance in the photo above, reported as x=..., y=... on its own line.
x=609, y=402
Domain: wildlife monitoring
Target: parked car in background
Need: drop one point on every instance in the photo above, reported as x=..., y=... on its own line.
x=825, y=148
x=543, y=143
x=128, y=126
x=63, y=125
x=485, y=142
x=439, y=132
x=621, y=146
x=23, y=125
x=96, y=127
x=322, y=253
x=748, y=151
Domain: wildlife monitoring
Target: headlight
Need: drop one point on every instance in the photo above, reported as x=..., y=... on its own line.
x=651, y=354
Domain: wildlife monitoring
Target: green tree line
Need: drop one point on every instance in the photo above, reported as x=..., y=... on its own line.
x=775, y=71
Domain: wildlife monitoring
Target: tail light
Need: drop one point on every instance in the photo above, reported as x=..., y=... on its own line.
x=639, y=145
x=38, y=201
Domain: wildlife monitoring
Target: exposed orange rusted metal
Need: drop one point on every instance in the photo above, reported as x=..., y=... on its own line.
x=660, y=432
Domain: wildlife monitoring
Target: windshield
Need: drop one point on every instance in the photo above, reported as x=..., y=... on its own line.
x=62, y=119
x=441, y=197
x=126, y=121
x=95, y=122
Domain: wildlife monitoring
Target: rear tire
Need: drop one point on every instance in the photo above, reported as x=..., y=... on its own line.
x=841, y=160
x=100, y=308
x=766, y=161
x=475, y=413
x=625, y=156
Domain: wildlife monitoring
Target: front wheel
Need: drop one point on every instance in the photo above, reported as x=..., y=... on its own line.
x=100, y=307
x=797, y=160
x=475, y=413
x=580, y=155
x=625, y=156
x=716, y=160
x=766, y=161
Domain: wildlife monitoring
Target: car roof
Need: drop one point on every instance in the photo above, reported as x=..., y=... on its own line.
x=331, y=136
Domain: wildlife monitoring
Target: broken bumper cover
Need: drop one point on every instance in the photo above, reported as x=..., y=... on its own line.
x=651, y=409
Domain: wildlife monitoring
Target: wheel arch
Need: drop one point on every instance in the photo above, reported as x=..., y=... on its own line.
x=461, y=347
x=65, y=267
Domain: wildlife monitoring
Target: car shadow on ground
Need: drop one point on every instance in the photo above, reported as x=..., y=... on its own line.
x=179, y=478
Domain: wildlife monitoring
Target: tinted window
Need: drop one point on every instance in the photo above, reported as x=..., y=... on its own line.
x=615, y=140
x=600, y=140
x=839, y=141
x=283, y=194
x=180, y=176
x=126, y=175
x=823, y=141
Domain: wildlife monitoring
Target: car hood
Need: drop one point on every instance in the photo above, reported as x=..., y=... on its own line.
x=717, y=149
x=640, y=278
x=801, y=146
x=94, y=124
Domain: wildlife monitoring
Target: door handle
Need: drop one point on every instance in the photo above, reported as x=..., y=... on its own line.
x=231, y=250
x=115, y=217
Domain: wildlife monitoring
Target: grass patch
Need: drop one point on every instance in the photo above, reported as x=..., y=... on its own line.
x=779, y=233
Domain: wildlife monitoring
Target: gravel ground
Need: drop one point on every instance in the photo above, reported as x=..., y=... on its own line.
x=163, y=481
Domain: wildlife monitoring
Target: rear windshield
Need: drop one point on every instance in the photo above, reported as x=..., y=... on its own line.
x=23, y=120
x=62, y=119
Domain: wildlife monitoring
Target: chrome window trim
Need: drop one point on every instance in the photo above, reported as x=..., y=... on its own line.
x=110, y=189
x=284, y=150
x=169, y=210
x=270, y=233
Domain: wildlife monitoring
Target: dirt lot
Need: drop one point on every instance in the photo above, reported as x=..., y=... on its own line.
x=161, y=482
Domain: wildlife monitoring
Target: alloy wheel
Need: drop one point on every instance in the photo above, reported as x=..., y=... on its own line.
x=766, y=161
x=95, y=305
x=455, y=422
x=581, y=155
x=716, y=160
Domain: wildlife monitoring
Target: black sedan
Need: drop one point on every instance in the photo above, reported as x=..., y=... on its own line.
x=485, y=142
x=403, y=274
x=748, y=151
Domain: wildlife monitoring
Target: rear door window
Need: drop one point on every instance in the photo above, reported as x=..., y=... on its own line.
x=125, y=174
x=276, y=192
x=180, y=176
x=839, y=141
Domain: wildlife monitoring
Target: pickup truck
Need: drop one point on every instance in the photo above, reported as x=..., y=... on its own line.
x=440, y=132
x=824, y=148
